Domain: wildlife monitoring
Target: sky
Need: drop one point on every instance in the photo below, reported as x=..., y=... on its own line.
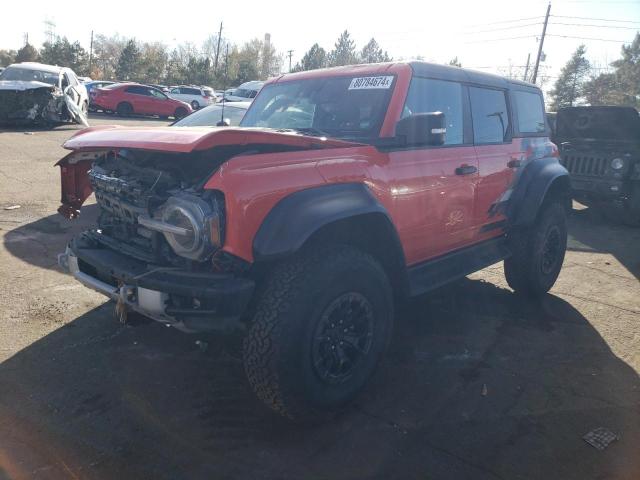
x=488, y=35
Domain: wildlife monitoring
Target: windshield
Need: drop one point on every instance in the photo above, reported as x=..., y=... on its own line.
x=28, y=75
x=210, y=116
x=343, y=107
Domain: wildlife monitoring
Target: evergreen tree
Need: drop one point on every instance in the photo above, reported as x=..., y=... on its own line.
x=628, y=73
x=28, y=53
x=344, y=52
x=128, y=62
x=66, y=54
x=569, y=86
x=315, y=58
x=372, y=53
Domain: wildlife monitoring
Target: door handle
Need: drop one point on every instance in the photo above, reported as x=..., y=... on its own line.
x=466, y=170
x=514, y=163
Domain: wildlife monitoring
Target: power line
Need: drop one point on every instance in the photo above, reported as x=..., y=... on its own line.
x=506, y=21
x=597, y=19
x=591, y=38
x=503, y=28
x=500, y=39
x=592, y=25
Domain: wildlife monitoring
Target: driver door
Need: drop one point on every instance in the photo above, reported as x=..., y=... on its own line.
x=434, y=187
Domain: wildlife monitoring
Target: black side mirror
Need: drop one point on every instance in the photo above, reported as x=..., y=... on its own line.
x=422, y=129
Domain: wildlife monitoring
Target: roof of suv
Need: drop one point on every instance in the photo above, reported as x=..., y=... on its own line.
x=423, y=69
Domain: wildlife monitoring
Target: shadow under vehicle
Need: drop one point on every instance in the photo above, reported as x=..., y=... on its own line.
x=97, y=399
x=600, y=147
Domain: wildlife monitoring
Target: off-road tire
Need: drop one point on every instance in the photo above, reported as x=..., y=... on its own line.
x=124, y=109
x=180, y=112
x=525, y=270
x=278, y=347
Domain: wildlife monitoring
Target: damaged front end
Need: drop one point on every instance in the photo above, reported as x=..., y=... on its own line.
x=37, y=103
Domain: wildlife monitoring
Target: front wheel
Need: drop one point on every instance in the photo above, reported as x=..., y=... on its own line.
x=320, y=328
x=180, y=113
x=538, y=252
x=195, y=105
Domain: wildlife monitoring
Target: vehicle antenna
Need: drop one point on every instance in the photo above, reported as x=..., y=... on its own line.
x=224, y=86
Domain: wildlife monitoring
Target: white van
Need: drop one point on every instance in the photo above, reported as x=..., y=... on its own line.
x=197, y=97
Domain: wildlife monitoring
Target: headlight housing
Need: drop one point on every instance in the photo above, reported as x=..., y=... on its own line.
x=192, y=226
x=617, y=164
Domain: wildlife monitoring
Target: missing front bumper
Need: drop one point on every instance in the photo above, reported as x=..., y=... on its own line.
x=189, y=301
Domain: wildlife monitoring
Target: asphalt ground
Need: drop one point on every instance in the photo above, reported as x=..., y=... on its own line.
x=477, y=384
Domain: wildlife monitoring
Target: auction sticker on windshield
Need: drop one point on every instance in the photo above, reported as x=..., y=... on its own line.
x=362, y=83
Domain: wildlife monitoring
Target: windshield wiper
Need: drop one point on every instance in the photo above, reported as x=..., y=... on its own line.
x=312, y=131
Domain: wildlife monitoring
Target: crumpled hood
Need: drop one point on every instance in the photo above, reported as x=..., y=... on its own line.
x=190, y=139
x=23, y=85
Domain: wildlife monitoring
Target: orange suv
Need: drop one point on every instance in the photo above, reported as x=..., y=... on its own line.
x=342, y=192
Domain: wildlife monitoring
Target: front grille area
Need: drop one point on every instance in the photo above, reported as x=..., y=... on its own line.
x=590, y=165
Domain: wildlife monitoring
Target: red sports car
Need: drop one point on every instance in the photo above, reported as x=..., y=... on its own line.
x=133, y=98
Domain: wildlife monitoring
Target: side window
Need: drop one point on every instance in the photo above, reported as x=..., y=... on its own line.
x=193, y=91
x=175, y=91
x=426, y=95
x=490, y=115
x=157, y=94
x=530, y=112
x=137, y=90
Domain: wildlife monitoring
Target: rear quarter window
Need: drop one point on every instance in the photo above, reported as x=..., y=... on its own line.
x=530, y=112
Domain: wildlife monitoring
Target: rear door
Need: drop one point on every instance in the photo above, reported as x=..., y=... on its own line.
x=433, y=188
x=160, y=104
x=492, y=138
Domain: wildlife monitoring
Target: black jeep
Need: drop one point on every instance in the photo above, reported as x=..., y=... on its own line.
x=600, y=146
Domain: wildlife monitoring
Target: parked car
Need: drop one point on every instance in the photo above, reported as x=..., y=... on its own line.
x=91, y=86
x=43, y=94
x=245, y=92
x=132, y=98
x=197, y=97
x=342, y=191
x=600, y=147
x=229, y=114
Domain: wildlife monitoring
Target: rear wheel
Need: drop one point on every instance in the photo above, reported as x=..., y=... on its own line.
x=320, y=328
x=538, y=252
x=124, y=109
x=180, y=113
x=195, y=105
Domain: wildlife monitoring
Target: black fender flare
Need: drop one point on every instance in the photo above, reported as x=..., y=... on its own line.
x=295, y=218
x=531, y=188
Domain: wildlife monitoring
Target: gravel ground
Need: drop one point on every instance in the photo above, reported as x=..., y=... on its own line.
x=477, y=384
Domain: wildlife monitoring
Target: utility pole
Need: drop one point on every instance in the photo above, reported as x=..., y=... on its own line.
x=544, y=31
x=91, y=54
x=526, y=70
x=290, y=55
x=215, y=64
